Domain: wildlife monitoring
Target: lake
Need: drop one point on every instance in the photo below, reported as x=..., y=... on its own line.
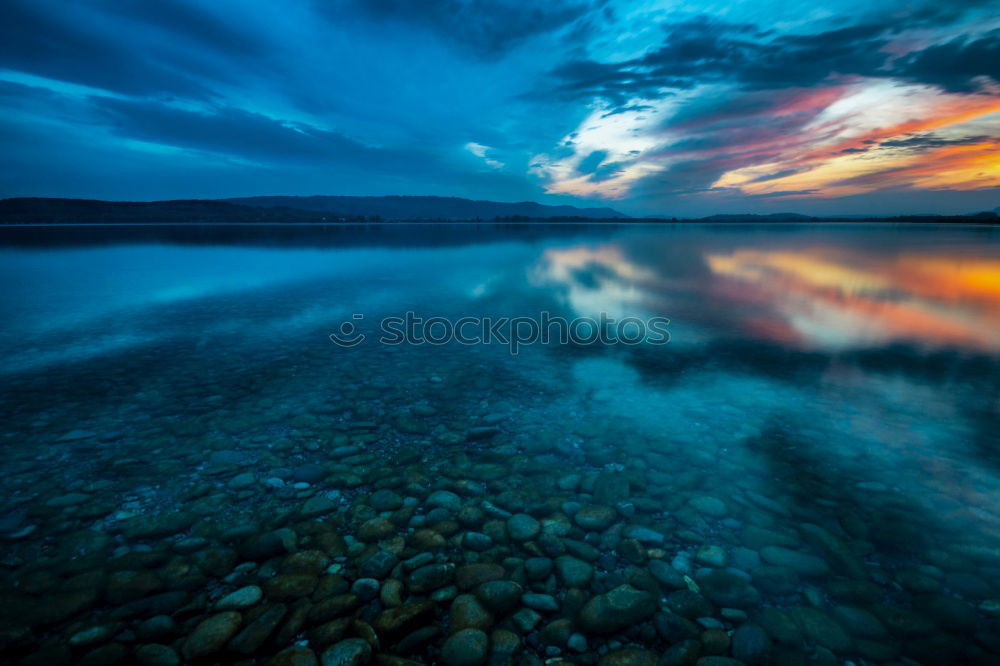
x=756, y=445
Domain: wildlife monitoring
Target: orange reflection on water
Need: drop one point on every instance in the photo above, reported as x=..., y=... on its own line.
x=847, y=297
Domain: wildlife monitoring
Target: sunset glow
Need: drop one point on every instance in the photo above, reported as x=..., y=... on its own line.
x=655, y=108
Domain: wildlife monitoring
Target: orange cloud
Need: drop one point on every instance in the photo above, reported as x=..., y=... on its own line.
x=856, y=162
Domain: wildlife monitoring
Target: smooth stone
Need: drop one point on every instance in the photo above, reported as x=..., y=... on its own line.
x=350, y=652
x=414, y=641
x=629, y=657
x=417, y=561
x=244, y=480
x=949, y=612
x=859, y=622
x=557, y=632
x=391, y=593
x=376, y=529
x=504, y=642
x=318, y=506
x=714, y=641
x=644, y=535
x=710, y=506
x=537, y=568
x=726, y=588
x=523, y=527
x=666, y=574
x=683, y=653
x=366, y=589
x=211, y=634
x=332, y=608
x=499, y=596
x=431, y=577
x=288, y=587
x=689, y=604
x=569, y=482
x=309, y=473
x=297, y=655
x=838, y=552
x=526, y=619
x=595, y=517
x=632, y=550
x=98, y=634
x=468, y=647
x=903, y=620
x=802, y=563
x=152, y=527
x=472, y=575
x=751, y=644
x=714, y=556
x=342, y=452
x=385, y=500
x=427, y=540
x=476, y=541
x=396, y=622
x=617, y=609
x=577, y=642
x=379, y=565
x=258, y=631
x=156, y=628
x=154, y=654
x=574, y=572
x=69, y=499
x=241, y=598
x=779, y=625
x=444, y=499
x=776, y=580
x=467, y=613
x=821, y=628
x=540, y=602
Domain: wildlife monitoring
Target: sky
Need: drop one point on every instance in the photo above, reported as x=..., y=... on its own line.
x=652, y=108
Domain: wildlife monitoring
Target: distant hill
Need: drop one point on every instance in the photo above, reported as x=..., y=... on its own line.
x=364, y=210
x=29, y=210
x=32, y=210
x=746, y=217
x=427, y=208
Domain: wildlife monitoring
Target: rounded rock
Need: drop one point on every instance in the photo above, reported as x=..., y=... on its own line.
x=350, y=652
x=211, y=634
x=468, y=647
x=241, y=598
x=523, y=527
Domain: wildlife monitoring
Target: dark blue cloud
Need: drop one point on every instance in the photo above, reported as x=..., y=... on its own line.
x=129, y=47
x=704, y=50
x=236, y=132
x=485, y=28
x=955, y=65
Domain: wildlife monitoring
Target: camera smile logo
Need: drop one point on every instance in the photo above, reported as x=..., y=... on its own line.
x=348, y=335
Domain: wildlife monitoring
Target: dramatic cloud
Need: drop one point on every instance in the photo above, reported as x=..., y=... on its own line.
x=703, y=50
x=963, y=64
x=487, y=28
x=663, y=108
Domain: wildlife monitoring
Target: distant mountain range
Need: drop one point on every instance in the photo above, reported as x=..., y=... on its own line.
x=426, y=208
x=283, y=209
x=335, y=209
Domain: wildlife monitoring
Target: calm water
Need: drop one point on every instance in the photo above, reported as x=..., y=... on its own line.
x=808, y=472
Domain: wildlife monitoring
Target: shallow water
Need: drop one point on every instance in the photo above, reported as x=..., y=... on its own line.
x=808, y=472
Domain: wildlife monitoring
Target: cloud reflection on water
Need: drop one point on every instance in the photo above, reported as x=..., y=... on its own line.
x=806, y=295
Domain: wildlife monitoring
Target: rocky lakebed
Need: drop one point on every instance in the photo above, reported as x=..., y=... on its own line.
x=219, y=484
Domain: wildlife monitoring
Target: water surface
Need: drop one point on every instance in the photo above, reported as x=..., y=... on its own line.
x=808, y=472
